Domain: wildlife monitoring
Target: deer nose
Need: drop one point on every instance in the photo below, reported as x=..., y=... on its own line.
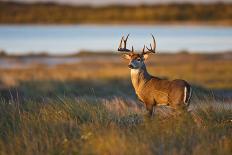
x=130, y=66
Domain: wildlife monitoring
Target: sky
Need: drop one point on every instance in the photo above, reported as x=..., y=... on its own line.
x=127, y=2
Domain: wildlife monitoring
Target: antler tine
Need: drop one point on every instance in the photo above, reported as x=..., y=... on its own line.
x=125, y=41
x=124, y=49
x=154, y=42
x=120, y=45
x=132, y=49
x=143, y=51
x=127, y=37
x=152, y=49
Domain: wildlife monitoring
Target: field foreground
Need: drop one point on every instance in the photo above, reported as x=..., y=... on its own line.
x=90, y=108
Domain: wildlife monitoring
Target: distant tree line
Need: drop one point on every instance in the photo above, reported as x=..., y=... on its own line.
x=50, y=13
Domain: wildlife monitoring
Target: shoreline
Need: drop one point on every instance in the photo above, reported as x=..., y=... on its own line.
x=226, y=24
x=101, y=53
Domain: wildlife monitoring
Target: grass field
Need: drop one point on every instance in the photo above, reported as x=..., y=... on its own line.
x=90, y=108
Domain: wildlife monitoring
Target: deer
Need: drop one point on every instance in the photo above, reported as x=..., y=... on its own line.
x=151, y=90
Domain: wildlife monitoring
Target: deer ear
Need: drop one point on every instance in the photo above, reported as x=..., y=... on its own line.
x=126, y=56
x=145, y=56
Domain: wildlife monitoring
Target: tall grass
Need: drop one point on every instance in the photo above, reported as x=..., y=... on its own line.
x=91, y=108
x=116, y=126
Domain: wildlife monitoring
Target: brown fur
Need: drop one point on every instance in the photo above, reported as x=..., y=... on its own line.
x=154, y=91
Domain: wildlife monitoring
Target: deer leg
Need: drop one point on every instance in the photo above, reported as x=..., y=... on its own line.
x=150, y=109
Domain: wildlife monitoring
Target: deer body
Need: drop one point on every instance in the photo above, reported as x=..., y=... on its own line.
x=153, y=91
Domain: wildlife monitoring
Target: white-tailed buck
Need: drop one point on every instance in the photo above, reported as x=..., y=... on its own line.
x=151, y=90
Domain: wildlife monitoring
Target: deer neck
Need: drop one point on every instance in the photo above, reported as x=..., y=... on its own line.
x=139, y=77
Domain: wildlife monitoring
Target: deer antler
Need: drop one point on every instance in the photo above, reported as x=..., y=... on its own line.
x=151, y=49
x=124, y=49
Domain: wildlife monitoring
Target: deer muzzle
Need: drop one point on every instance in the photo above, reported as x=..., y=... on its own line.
x=131, y=66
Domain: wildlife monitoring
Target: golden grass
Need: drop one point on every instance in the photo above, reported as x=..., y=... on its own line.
x=197, y=69
x=90, y=108
x=85, y=126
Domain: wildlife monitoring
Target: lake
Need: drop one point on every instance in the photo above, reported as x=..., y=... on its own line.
x=73, y=38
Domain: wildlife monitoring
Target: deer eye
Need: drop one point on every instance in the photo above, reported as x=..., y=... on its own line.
x=138, y=59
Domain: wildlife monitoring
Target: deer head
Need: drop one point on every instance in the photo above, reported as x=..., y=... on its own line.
x=136, y=60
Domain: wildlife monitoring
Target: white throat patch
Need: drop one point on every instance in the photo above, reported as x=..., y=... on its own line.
x=134, y=71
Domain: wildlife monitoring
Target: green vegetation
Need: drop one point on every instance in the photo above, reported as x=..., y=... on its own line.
x=53, y=13
x=90, y=108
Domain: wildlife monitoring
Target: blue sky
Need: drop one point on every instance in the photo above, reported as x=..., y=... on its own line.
x=105, y=2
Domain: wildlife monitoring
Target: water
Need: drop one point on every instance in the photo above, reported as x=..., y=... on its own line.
x=27, y=62
x=71, y=39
